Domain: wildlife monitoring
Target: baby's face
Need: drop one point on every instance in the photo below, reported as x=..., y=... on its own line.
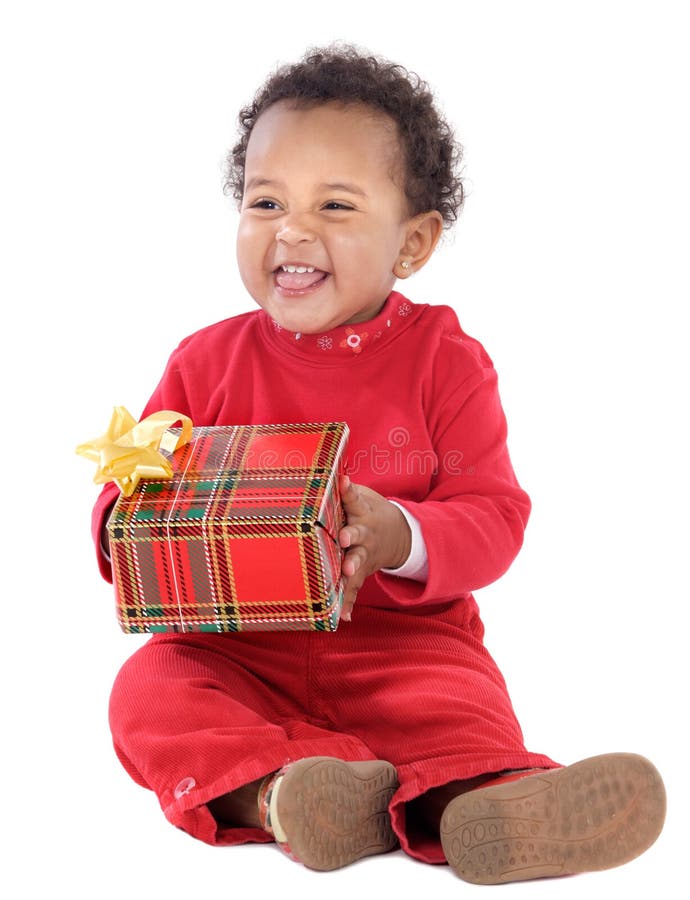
x=320, y=193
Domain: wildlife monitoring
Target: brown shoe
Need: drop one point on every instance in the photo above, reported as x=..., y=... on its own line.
x=596, y=814
x=327, y=813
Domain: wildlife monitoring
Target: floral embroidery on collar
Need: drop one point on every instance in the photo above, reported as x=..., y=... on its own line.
x=354, y=341
x=346, y=341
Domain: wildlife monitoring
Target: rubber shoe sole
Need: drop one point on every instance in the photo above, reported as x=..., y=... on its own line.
x=333, y=813
x=596, y=814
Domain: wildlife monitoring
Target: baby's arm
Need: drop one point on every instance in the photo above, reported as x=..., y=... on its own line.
x=473, y=518
x=376, y=536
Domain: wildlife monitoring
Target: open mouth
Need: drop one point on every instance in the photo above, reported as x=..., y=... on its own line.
x=299, y=279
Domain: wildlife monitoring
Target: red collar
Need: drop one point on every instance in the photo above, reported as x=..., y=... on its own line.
x=346, y=341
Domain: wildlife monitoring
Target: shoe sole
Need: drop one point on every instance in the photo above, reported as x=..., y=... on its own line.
x=596, y=814
x=334, y=812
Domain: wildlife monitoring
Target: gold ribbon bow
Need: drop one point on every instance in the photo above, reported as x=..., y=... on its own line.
x=129, y=450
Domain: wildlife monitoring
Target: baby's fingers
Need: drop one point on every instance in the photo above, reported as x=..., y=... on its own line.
x=354, y=560
x=353, y=498
x=353, y=573
x=349, y=598
x=346, y=614
x=348, y=536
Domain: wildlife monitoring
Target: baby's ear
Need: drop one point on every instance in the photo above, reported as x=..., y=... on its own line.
x=423, y=232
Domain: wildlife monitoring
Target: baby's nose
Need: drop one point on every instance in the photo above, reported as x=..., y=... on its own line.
x=294, y=229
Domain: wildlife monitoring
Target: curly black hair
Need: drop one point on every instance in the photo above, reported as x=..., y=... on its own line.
x=343, y=72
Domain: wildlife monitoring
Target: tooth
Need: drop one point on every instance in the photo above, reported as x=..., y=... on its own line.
x=298, y=269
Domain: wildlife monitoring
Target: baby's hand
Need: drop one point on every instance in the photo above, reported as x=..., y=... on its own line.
x=376, y=536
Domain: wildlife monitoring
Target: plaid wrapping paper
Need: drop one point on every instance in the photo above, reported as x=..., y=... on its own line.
x=242, y=538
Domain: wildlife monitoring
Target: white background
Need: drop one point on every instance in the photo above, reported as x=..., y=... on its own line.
x=569, y=264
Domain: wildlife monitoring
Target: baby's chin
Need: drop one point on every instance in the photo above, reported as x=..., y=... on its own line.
x=302, y=323
x=300, y=328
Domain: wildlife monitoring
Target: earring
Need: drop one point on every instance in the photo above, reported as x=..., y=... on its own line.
x=405, y=264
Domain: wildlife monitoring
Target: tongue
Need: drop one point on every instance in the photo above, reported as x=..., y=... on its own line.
x=298, y=281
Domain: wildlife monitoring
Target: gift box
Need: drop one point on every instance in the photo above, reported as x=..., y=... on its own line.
x=242, y=537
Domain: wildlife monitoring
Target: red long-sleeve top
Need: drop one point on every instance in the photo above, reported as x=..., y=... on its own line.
x=426, y=428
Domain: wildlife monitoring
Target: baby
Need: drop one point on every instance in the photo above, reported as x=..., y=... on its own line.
x=397, y=729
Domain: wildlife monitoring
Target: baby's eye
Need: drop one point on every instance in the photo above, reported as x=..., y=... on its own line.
x=264, y=204
x=333, y=204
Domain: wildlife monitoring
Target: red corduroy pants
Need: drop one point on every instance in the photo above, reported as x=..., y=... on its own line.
x=196, y=716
